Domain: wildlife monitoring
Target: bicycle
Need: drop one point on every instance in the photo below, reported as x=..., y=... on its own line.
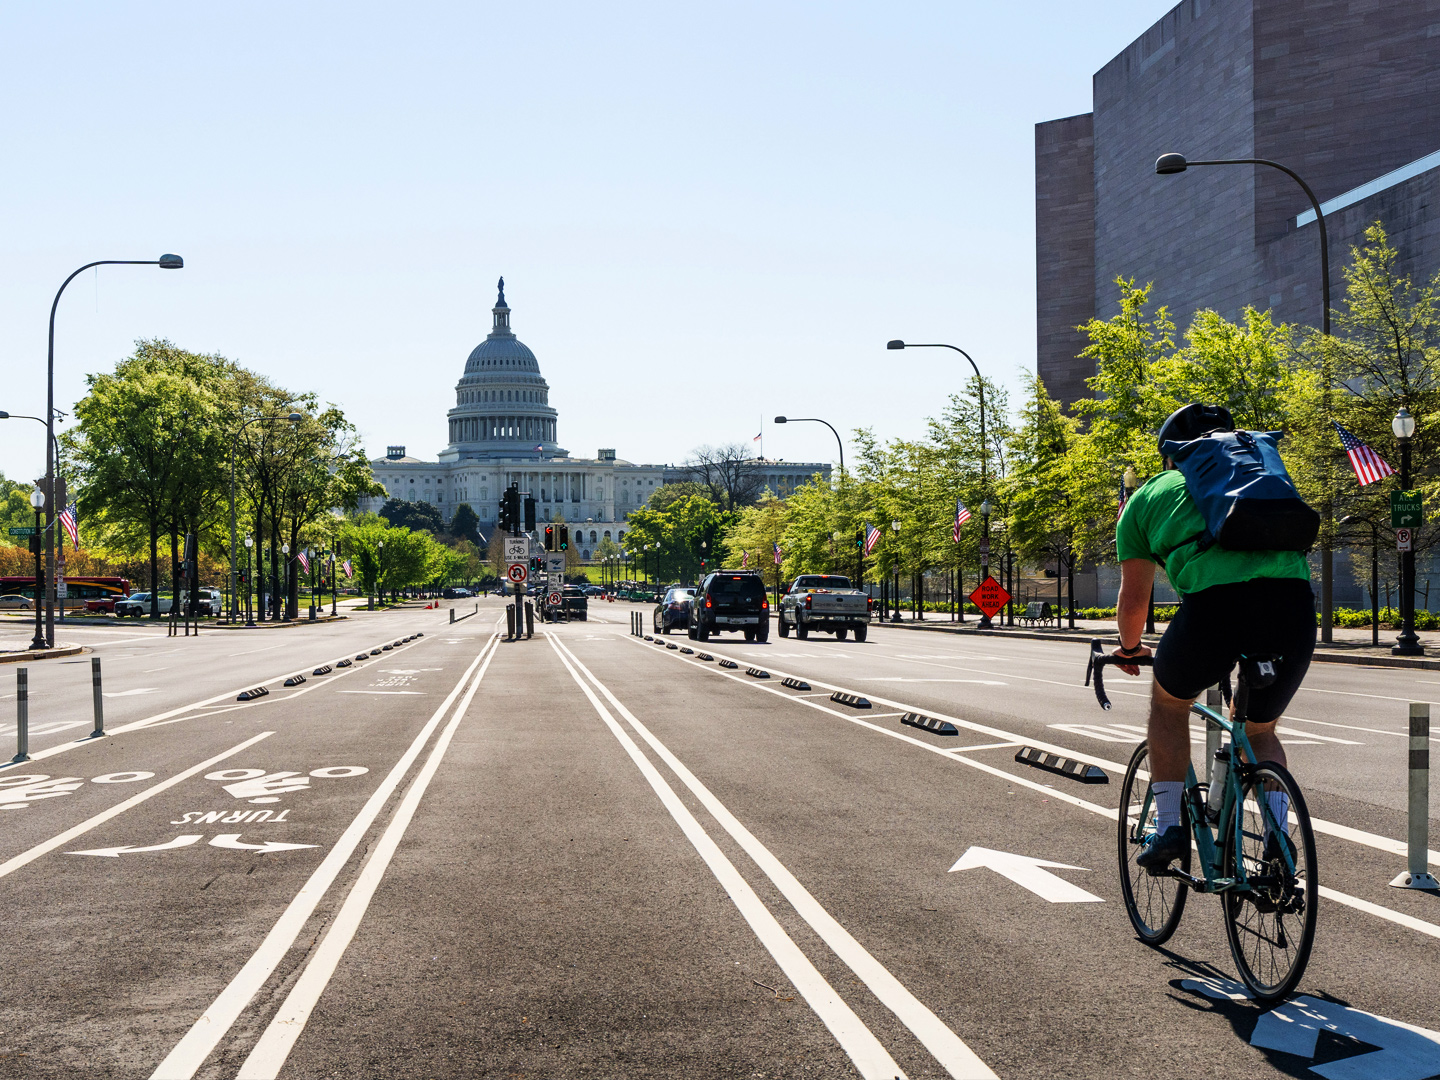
x=1265, y=875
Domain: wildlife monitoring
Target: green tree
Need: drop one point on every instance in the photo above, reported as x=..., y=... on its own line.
x=465, y=524
x=414, y=514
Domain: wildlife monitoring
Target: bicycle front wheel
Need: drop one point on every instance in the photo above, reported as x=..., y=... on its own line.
x=1270, y=923
x=1154, y=904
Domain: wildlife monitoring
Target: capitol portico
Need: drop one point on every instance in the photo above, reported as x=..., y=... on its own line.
x=503, y=430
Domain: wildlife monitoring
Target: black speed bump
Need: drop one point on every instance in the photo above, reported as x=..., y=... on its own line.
x=757, y=673
x=729, y=664
x=1062, y=766
x=649, y=638
x=853, y=700
x=704, y=656
x=323, y=669
x=930, y=724
x=376, y=652
x=295, y=680
x=344, y=663
x=687, y=652
x=671, y=645
x=795, y=684
x=383, y=648
x=251, y=695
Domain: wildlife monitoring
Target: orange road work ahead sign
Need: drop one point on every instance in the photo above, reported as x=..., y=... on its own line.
x=990, y=596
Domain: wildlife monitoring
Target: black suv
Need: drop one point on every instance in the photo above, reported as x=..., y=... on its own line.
x=730, y=600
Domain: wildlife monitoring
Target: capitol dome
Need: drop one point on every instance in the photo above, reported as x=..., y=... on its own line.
x=502, y=403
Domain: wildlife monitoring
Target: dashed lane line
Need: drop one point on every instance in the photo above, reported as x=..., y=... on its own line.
x=215, y=1022
x=1320, y=825
x=26, y=857
x=934, y=1034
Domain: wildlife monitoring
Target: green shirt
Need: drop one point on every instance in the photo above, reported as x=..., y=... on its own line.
x=1161, y=516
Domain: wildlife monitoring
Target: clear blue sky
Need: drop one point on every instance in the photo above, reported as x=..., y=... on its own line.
x=705, y=214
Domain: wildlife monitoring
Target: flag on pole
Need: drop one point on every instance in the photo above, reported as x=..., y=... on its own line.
x=349, y=570
x=961, y=516
x=1368, y=465
x=304, y=562
x=757, y=437
x=872, y=537
x=72, y=527
x=778, y=553
x=744, y=559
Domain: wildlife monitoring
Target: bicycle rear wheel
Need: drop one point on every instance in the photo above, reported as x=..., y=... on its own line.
x=1154, y=904
x=1271, y=925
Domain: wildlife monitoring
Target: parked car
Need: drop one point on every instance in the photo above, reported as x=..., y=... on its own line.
x=673, y=609
x=138, y=604
x=730, y=600
x=824, y=602
x=594, y=590
x=455, y=592
x=575, y=603
x=16, y=602
x=207, y=601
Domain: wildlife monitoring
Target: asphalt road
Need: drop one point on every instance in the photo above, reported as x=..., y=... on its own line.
x=589, y=855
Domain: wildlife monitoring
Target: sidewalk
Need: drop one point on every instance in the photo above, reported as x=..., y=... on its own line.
x=15, y=648
x=1351, y=645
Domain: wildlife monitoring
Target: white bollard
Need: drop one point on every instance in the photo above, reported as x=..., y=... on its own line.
x=22, y=715
x=99, y=698
x=1418, y=875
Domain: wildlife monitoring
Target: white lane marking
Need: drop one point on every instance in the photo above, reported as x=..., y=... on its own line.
x=982, y=746
x=116, y=852
x=177, y=714
x=1029, y=874
x=213, y=1024
x=946, y=1046
x=26, y=857
x=232, y=841
x=390, y=693
x=46, y=729
x=911, y=678
x=858, y=1041
x=134, y=693
x=1329, y=828
x=1317, y=738
x=279, y=1038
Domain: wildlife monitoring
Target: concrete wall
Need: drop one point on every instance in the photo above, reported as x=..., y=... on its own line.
x=1064, y=251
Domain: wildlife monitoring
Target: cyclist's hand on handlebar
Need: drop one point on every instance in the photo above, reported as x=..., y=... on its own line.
x=1131, y=669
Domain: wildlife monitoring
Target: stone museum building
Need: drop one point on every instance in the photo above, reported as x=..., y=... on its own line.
x=503, y=430
x=1344, y=92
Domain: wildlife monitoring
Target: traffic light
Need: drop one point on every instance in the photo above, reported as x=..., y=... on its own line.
x=860, y=539
x=510, y=510
x=549, y=537
x=564, y=538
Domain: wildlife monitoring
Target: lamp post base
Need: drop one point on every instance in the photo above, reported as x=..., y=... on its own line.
x=1407, y=645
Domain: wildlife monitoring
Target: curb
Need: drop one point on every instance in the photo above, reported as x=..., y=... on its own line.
x=41, y=654
x=1322, y=654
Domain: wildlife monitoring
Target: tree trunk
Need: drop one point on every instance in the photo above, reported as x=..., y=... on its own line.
x=154, y=570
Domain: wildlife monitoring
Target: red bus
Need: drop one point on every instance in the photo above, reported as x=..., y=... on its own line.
x=91, y=593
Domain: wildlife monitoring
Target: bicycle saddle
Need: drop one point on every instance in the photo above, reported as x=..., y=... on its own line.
x=1259, y=671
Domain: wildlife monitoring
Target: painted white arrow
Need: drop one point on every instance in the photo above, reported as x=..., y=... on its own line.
x=232, y=840
x=116, y=852
x=1027, y=872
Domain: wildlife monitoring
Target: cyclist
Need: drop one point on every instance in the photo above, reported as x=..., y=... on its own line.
x=1232, y=603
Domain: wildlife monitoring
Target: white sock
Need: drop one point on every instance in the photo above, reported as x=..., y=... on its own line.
x=1167, y=795
x=1280, y=807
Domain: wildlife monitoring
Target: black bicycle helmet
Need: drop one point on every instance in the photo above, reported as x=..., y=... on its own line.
x=1193, y=421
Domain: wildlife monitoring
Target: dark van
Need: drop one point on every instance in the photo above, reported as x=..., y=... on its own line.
x=730, y=600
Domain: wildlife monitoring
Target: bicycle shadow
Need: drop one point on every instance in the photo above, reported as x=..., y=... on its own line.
x=1311, y=1034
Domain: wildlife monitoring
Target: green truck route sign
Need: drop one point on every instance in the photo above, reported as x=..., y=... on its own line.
x=1406, y=511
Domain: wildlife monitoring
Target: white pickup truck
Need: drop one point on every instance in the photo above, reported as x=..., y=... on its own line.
x=824, y=602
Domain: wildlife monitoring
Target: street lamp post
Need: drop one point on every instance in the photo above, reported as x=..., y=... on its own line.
x=37, y=500
x=249, y=581
x=817, y=420
x=55, y=445
x=285, y=598
x=165, y=262
x=1169, y=165
x=895, y=528
x=984, y=483
x=1407, y=644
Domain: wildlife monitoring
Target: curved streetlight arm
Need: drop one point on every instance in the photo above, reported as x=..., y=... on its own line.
x=980, y=382
x=1319, y=220
x=816, y=420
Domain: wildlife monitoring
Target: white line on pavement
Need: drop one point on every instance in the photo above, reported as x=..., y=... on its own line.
x=192, y=1050
x=947, y=1047
x=279, y=1038
x=871, y=1059
x=13, y=864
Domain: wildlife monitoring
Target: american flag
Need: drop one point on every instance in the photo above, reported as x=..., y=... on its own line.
x=776, y=546
x=72, y=527
x=1120, y=506
x=872, y=537
x=961, y=516
x=349, y=570
x=744, y=559
x=304, y=562
x=1368, y=465
x=757, y=438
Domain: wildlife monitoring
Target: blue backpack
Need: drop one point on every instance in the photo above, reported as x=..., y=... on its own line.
x=1241, y=488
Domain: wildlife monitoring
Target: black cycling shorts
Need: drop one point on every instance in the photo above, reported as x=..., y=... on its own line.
x=1216, y=626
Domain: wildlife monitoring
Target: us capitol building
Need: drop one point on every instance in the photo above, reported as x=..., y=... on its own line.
x=503, y=431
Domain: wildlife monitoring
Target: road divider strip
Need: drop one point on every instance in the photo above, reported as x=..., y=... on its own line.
x=270, y=1052
x=855, y=701
x=1061, y=766
x=871, y=1059
x=215, y=1022
x=26, y=857
x=927, y=723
